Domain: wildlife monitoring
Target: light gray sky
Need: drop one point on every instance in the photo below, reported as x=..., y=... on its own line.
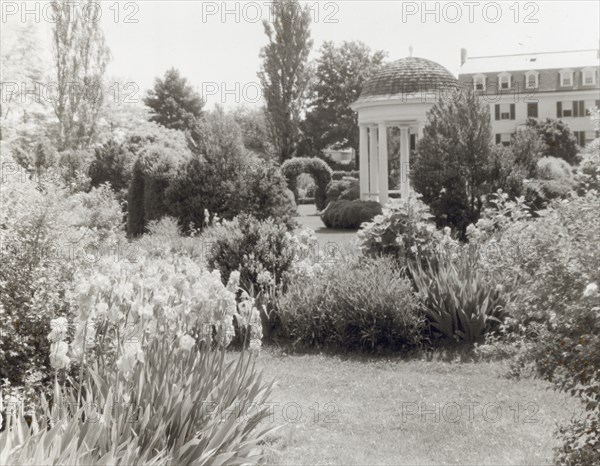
x=208, y=47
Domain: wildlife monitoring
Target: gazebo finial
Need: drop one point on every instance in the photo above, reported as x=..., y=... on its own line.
x=410, y=50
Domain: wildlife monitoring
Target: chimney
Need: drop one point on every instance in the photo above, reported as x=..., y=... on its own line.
x=463, y=56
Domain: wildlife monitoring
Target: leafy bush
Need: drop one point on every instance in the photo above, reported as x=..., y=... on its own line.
x=349, y=214
x=346, y=188
x=316, y=167
x=404, y=230
x=550, y=275
x=458, y=301
x=588, y=171
x=554, y=181
x=112, y=163
x=266, y=195
x=225, y=179
x=261, y=250
x=358, y=304
x=557, y=137
x=48, y=237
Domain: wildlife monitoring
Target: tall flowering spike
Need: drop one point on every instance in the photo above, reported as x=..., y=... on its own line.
x=58, y=355
x=234, y=281
x=58, y=329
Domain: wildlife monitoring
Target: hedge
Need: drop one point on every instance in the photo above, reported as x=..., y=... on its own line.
x=320, y=171
x=339, y=174
x=350, y=214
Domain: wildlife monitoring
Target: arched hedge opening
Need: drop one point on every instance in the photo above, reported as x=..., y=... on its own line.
x=319, y=170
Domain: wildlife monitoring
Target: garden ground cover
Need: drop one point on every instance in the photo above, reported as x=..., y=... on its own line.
x=308, y=218
x=365, y=396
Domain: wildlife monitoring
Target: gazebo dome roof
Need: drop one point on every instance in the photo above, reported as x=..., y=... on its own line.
x=408, y=75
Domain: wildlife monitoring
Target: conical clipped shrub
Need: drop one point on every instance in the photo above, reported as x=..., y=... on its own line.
x=135, y=202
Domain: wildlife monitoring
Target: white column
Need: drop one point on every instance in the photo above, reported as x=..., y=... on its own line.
x=364, y=162
x=404, y=162
x=373, y=165
x=383, y=164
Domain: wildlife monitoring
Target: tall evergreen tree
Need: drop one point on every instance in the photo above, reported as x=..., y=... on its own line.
x=135, y=202
x=340, y=74
x=173, y=102
x=81, y=56
x=284, y=72
x=452, y=163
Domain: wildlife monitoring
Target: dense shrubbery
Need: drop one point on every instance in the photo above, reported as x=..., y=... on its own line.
x=261, y=250
x=140, y=336
x=557, y=137
x=319, y=170
x=48, y=237
x=404, y=230
x=554, y=181
x=358, y=304
x=345, y=188
x=548, y=270
x=339, y=174
x=349, y=214
x=225, y=180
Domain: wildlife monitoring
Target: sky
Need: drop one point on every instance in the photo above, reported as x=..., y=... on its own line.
x=216, y=44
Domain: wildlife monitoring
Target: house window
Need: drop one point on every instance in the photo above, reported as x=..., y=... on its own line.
x=580, y=137
x=532, y=110
x=566, y=78
x=589, y=76
x=504, y=111
x=479, y=82
x=579, y=108
x=504, y=81
x=503, y=138
x=576, y=108
x=531, y=79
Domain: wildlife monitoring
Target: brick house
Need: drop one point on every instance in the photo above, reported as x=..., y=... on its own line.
x=559, y=85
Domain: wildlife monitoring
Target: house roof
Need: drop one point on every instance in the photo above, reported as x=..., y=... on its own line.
x=531, y=61
x=408, y=75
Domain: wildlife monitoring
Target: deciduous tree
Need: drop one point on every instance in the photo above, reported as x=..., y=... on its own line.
x=340, y=73
x=284, y=72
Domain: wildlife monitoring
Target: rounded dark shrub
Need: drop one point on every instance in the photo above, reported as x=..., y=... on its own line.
x=350, y=214
x=346, y=188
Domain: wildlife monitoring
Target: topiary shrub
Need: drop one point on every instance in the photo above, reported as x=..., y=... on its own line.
x=350, y=214
x=320, y=171
x=135, y=202
x=346, y=188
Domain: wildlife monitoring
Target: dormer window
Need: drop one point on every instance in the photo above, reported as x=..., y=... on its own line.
x=589, y=76
x=566, y=78
x=532, y=80
x=479, y=82
x=504, y=80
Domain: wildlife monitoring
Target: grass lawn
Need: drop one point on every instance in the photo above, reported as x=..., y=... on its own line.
x=365, y=407
x=308, y=218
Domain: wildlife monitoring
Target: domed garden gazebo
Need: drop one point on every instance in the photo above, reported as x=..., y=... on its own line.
x=394, y=103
